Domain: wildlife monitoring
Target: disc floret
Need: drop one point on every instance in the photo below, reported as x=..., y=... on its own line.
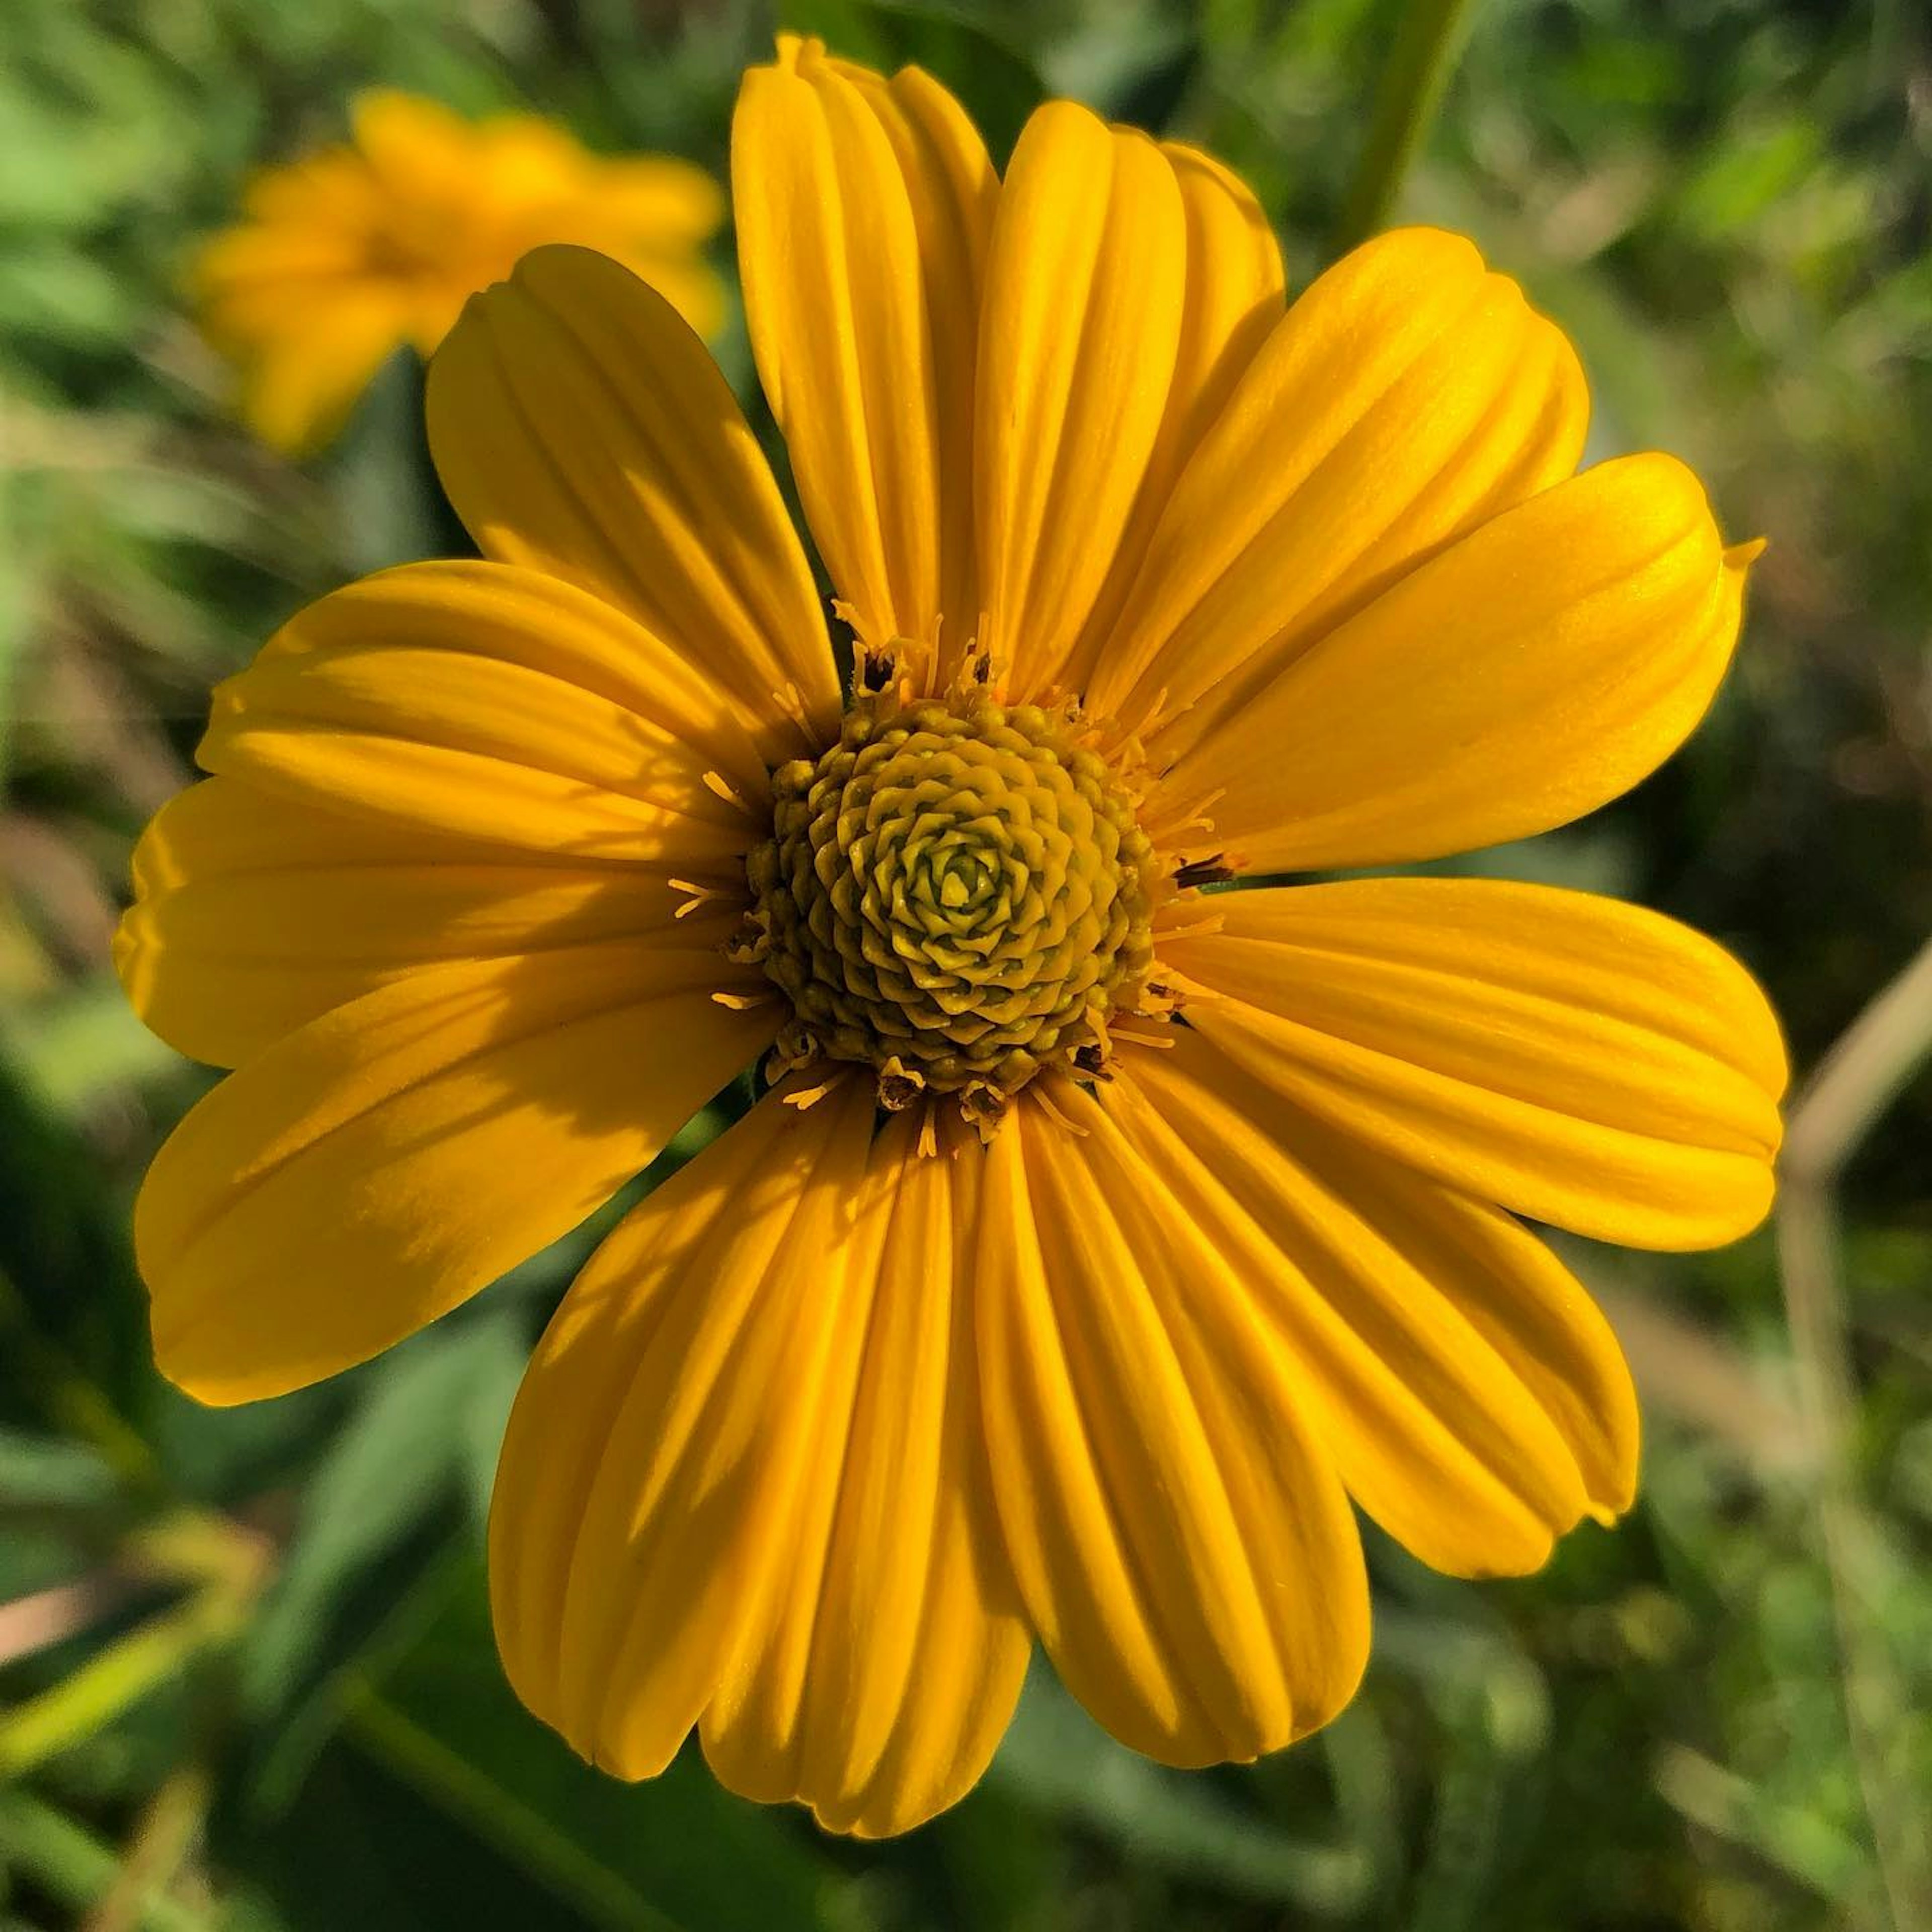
x=955, y=894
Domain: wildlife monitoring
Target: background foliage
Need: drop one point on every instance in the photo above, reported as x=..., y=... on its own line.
x=246, y=1680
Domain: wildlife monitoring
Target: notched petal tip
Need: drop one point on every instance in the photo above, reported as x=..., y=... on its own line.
x=793, y=52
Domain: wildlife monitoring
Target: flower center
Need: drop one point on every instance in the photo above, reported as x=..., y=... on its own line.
x=955, y=894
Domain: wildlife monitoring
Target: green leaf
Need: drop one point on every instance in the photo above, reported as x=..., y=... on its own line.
x=1058, y=1759
x=375, y=1516
x=44, y=1472
x=76, y=1868
x=678, y=1851
x=86, y=1043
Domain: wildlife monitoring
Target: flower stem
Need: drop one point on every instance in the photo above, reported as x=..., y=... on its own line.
x=114, y=1681
x=67, y=1861
x=229, y=1567
x=1428, y=39
x=1853, y=1086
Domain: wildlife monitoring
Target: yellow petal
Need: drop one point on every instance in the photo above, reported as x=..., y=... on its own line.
x=258, y=263
x=254, y=914
x=653, y=1458
x=1527, y=674
x=1183, y=1545
x=494, y=703
x=365, y=1175
x=669, y=204
x=1408, y=397
x=1080, y=335
x=863, y=207
x=689, y=283
x=316, y=356
x=581, y=427
x=675, y=1463
x=417, y=148
x=716, y=1498
x=329, y=189
x=1473, y=1398
x=1584, y=1063
x=1234, y=300
x=888, y=1665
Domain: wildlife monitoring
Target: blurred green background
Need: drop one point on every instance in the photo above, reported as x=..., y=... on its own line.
x=246, y=1679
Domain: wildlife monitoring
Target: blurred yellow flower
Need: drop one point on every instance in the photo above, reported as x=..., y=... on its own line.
x=1101, y=1239
x=348, y=254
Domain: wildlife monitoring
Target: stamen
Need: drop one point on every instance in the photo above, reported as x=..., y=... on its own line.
x=899, y=1085
x=1194, y=991
x=1134, y=728
x=1203, y=872
x=790, y=702
x=701, y=896
x=1102, y=1040
x=1054, y=1114
x=805, y=1098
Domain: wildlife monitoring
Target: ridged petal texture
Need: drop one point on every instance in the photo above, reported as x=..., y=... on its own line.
x=582, y=429
x=1532, y=671
x=424, y=909
x=255, y=913
x=403, y=1150
x=1468, y=1392
x=744, y=1484
x=495, y=703
x=1179, y=1533
x=1589, y=1063
x=863, y=230
x=1409, y=395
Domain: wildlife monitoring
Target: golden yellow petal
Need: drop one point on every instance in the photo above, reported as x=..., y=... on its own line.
x=1582, y=1062
x=689, y=283
x=1473, y=1398
x=255, y=913
x=1406, y=397
x=863, y=213
x=1080, y=336
x=417, y=148
x=743, y=1479
x=581, y=428
x=331, y=187
x=364, y=1175
x=669, y=204
x=494, y=703
x=655, y=1456
x=1181, y=1541
x=265, y=262
x=1525, y=675
x=317, y=349
x=888, y=1665
x=1234, y=300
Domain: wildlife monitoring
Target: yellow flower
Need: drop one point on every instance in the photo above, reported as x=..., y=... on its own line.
x=353, y=252
x=1101, y=1241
